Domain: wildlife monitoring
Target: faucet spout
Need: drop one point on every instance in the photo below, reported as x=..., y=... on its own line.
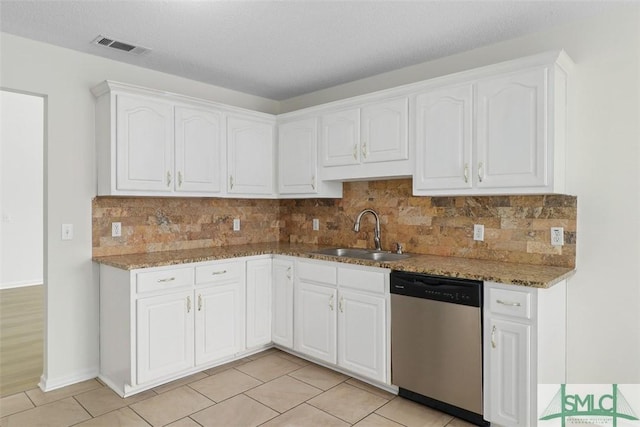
x=376, y=232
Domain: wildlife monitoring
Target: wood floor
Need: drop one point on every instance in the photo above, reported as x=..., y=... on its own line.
x=21, y=338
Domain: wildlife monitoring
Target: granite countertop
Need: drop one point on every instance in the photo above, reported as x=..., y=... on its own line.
x=538, y=276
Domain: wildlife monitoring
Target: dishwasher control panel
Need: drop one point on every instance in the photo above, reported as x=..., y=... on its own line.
x=445, y=289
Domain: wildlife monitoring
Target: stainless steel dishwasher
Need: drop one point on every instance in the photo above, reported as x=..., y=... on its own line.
x=436, y=342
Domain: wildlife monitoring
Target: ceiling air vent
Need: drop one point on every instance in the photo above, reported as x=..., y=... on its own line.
x=114, y=44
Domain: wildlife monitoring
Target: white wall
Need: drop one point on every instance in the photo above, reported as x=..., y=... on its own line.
x=603, y=164
x=21, y=209
x=71, y=279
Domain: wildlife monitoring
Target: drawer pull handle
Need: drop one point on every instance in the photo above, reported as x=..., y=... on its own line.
x=493, y=337
x=199, y=302
x=188, y=304
x=215, y=273
x=480, y=171
x=466, y=172
x=341, y=305
x=509, y=303
x=331, y=302
x=168, y=279
x=168, y=179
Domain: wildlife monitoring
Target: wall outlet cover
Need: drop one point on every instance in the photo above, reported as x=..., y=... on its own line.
x=316, y=224
x=116, y=229
x=236, y=224
x=557, y=236
x=478, y=232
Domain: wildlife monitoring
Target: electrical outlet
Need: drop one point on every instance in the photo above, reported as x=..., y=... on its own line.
x=236, y=224
x=478, y=232
x=116, y=229
x=316, y=224
x=557, y=236
x=67, y=231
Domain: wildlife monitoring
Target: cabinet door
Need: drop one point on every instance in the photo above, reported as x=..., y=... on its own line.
x=341, y=138
x=512, y=130
x=297, y=148
x=282, y=319
x=258, y=302
x=361, y=334
x=250, y=155
x=198, y=150
x=384, y=131
x=443, y=139
x=164, y=335
x=220, y=317
x=144, y=144
x=315, y=321
x=509, y=372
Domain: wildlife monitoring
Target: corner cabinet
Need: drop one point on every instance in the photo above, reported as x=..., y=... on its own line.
x=298, y=161
x=341, y=317
x=524, y=345
x=502, y=132
x=251, y=150
x=282, y=301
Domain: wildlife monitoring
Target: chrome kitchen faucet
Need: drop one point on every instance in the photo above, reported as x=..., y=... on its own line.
x=376, y=232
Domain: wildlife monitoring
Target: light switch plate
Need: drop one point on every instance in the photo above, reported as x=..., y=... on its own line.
x=236, y=224
x=316, y=224
x=478, y=232
x=67, y=231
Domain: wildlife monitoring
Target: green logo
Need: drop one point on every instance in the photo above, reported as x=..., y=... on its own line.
x=591, y=407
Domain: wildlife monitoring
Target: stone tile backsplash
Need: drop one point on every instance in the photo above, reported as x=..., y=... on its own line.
x=517, y=228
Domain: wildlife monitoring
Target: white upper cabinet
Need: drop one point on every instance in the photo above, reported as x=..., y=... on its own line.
x=297, y=157
x=497, y=130
x=144, y=144
x=298, y=161
x=250, y=145
x=341, y=138
x=512, y=128
x=443, y=139
x=367, y=142
x=198, y=150
x=384, y=131
x=153, y=145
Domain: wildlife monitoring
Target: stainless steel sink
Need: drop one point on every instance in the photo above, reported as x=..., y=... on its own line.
x=362, y=254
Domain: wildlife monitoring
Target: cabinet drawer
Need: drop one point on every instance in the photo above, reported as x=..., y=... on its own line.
x=317, y=272
x=372, y=281
x=508, y=302
x=219, y=272
x=164, y=279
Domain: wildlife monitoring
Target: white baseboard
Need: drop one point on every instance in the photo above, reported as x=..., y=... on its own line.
x=50, y=384
x=22, y=284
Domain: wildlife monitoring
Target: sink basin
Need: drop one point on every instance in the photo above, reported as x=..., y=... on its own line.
x=362, y=254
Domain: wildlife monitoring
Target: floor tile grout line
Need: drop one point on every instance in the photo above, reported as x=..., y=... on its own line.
x=387, y=418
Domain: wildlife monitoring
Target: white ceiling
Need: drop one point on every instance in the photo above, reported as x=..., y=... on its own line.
x=282, y=49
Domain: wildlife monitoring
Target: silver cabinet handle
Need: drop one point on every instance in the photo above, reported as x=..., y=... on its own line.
x=509, y=303
x=216, y=273
x=231, y=182
x=341, y=304
x=289, y=273
x=355, y=151
x=188, y=304
x=364, y=150
x=179, y=179
x=480, y=171
x=331, y=303
x=168, y=178
x=466, y=172
x=313, y=182
x=199, y=302
x=493, y=337
x=168, y=279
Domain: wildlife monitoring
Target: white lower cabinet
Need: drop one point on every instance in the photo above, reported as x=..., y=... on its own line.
x=282, y=301
x=164, y=335
x=341, y=317
x=524, y=345
x=258, y=302
x=315, y=321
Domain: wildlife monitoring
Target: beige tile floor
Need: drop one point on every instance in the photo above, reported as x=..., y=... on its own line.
x=271, y=388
